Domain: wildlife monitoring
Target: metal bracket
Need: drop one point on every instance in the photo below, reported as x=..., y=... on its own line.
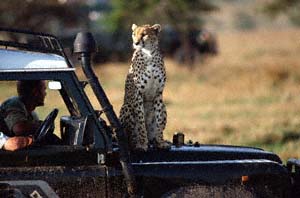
x=293, y=165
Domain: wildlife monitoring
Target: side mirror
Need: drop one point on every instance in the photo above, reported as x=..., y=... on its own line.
x=54, y=85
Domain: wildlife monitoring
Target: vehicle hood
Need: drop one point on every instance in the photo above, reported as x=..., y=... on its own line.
x=204, y=153
x=207, y=163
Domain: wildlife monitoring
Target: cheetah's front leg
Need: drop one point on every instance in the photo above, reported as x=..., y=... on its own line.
x=139, y=135
x=160, y=122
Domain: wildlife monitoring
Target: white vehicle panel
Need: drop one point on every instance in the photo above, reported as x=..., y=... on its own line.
x=24, y=60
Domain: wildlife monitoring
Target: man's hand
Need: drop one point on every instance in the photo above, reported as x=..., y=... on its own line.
x=18, y=142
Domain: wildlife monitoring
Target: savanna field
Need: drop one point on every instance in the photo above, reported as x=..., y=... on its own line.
x=247, y=95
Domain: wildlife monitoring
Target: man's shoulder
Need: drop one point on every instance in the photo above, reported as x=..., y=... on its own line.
x=13, y=102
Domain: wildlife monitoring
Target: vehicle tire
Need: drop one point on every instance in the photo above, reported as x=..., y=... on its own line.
x=204, y=191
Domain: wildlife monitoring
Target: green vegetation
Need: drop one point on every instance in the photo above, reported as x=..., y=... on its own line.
x=287, y=7
x=179, y=14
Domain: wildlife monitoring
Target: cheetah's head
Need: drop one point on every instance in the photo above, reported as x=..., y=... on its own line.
x=145, y=36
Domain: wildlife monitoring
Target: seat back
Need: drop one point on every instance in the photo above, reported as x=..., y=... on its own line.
x=3, y=126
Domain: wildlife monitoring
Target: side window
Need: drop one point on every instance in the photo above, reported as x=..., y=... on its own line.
x=8, y=89
x=52, y=100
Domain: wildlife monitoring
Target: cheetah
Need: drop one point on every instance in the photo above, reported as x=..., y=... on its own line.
x=143, y=114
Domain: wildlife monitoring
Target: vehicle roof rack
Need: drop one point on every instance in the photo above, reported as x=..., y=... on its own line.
x=34, y=41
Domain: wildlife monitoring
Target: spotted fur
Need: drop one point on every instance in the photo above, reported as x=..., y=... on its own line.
x=143, y=114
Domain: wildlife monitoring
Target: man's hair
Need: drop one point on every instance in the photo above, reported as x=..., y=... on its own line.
x=25, y=87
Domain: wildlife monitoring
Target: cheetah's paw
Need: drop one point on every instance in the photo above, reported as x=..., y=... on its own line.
x=162, y=145
x=141, y=148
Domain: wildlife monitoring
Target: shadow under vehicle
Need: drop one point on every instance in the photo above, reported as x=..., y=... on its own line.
x=94, y=160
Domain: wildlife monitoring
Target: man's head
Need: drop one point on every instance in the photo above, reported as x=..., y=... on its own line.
x=32, y=91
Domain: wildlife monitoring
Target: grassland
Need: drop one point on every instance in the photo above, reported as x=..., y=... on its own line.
x=247, y=95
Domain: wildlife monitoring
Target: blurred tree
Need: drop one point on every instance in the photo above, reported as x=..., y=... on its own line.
x=179, y=14
x=40, y=15
x=244, y=21
x=289, y=7
x=185, y=17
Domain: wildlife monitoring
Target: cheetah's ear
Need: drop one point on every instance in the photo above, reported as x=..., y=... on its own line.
x=157, y=28
x=133, y=27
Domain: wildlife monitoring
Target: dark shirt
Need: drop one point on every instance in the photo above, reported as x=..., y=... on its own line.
x=13, y=111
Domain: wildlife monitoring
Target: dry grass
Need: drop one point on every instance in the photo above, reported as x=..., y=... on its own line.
x=248, y=95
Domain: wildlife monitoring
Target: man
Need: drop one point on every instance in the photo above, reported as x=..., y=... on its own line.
x=17, y=113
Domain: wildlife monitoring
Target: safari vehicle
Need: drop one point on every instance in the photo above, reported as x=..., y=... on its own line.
x=94, y=160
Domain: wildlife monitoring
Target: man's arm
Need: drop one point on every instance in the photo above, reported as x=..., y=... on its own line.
x=18, y=123
x=25, y=128
x=14, y=143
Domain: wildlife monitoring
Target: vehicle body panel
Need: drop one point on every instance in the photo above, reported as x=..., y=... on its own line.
x=76, y=167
